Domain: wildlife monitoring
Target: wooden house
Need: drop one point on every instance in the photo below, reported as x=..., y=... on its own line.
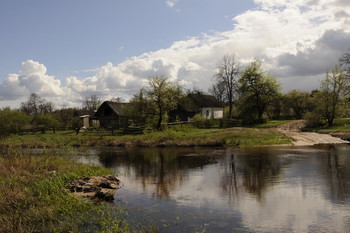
x=197, y=103
x=111, y=114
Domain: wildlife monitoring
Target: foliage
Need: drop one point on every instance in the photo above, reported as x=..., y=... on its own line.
x=299, y=102
x=257, y=91
x=137, y=109
x=332, y=92
x=313, y=119
x=65, y=116
x=12, y=121
x=200, y=122
x=226, y=85
x=48, y=121
x=162, y=96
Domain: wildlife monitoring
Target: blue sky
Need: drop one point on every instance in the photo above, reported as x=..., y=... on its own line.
x=70, y=36
x=67, y=50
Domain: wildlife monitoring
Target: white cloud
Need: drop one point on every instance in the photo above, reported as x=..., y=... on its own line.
x=171, y=3
x=32, y=78
x=296, y=39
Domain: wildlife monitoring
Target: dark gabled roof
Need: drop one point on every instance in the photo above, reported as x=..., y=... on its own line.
x=195, y=101
x=202, y=100
x=118, y=108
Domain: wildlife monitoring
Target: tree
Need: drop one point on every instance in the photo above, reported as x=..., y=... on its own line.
x=36, y=105
x=162, y=96
x=332, y=90
x=137, y=109
x=47, y=121
x=344, y=62
x=226, y=83
x=12, y=121
x=218, y=90
x=299, y=102
x=91, y=103
x=257, y=90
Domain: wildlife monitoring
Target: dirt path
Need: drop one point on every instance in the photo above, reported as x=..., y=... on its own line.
x=293, y=130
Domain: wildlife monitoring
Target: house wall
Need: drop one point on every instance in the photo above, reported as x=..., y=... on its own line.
x=213, y=113
x=218, y=113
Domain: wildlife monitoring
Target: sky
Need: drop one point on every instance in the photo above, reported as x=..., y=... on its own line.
x=66, y=50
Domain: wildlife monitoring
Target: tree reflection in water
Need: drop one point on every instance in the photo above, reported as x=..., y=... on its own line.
x=266, y=189
x=165, y=169
x=338, y=165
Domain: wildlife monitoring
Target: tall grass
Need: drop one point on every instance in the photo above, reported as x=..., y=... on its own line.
x=33, y=197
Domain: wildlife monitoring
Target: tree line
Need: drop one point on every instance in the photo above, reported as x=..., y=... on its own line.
x=250, y=94
x=254, y=95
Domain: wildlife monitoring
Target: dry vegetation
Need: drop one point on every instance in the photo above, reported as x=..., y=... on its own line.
x=33, y=197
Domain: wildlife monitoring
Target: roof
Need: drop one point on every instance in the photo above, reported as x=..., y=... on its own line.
x=194, y=101
x=118, y=108
x=202, y=100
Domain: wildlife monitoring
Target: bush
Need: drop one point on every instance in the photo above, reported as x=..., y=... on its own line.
x=12, y=121
x=313, y=119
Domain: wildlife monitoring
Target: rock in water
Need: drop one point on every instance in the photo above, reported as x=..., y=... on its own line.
x=100, y=188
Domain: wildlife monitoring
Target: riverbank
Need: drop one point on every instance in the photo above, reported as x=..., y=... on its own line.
x=294, y=130
x=34, y=197
x=185, y=136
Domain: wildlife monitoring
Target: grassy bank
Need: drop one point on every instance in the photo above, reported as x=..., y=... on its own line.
x=340, y=128
x=185, y=136
x=33, y=197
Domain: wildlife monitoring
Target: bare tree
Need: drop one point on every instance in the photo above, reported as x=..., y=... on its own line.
x=92, y=103
x=218, y=90
x=227, y=79
x=36, y=105
x=344, y=62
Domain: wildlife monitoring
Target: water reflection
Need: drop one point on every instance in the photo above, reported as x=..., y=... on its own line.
x=252, y=190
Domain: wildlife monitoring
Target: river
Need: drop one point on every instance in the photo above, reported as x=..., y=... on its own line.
x=265, y=189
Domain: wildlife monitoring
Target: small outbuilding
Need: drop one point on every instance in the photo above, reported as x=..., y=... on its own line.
x=197, y=103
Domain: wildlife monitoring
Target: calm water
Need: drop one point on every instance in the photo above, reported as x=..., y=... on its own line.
x=233, y=190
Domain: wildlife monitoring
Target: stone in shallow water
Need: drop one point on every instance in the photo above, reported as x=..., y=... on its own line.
x=96, y=187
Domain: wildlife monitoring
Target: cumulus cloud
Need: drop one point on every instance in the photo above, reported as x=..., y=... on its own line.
x=297, y=41
x=32, y=78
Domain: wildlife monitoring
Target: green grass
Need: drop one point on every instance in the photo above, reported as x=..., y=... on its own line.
x=270, y=124
x=33, y=197
x=185, y=136
x=339, y=125
x=340, y=128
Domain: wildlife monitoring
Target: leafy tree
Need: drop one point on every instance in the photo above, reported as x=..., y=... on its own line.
x=36, y=105
x=333, y=89
x=48, y=121
x=299, y=102
x=162, y=96
x=226, y=83
x=12, y=121
x=137, y=109
x=64, y=116
x=257, y=91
